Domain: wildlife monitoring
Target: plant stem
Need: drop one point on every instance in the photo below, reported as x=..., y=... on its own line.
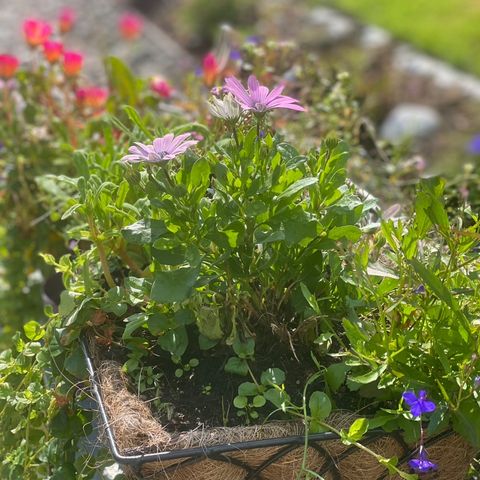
x=101, y=253
x=122, y=253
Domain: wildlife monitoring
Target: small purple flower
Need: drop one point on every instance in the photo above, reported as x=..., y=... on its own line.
x=476, y=382
x=162, y=149
x=258, y=98
x=420, y=404
x=474, y=145
x=253, y=39
x=235, y=55
x=420, y=289
x=422, y=464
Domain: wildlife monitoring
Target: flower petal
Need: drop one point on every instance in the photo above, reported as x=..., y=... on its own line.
x=133, y=159
x=177, y=141
x=427, y=406
x=234, y=86
x=276, y=92
x=410, y=398
x=253, y=85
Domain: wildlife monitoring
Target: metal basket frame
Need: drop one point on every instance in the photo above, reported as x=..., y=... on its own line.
x=189, y=456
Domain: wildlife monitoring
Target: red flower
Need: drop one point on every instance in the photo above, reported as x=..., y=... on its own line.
x=36, y=32
x=92, y=97
x=8, y=66
x=66, y=19
x=130, y=26
x=210, y=69
x=160, y=86
x=72, y=63
x=52, y=50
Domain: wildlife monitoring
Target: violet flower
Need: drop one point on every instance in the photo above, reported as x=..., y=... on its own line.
x=162, y=149
x=420, y=404
x=422, y=464
x=259, y=98
x=473, y=146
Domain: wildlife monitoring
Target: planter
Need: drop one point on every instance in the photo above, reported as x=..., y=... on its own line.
x=272, y=451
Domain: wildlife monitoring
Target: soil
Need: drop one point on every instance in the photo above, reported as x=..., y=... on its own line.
x=204, y=396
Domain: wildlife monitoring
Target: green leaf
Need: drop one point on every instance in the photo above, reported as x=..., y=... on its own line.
x=240, y=402
x=245, y=348
x=159, y=323
x=135, y=118
x=200, y=173
x=114, y=302
x=75, y=363
x=174, y=341
x=121, y=80
x=310, y=298
x=430, y=279
x=33, y=330
x=320, y=405
x=297, y=187
x=144, y=232
x=335, y=375
x=348, y=232
x=259, y=401
x=206, y=343
x=368, y=377
x=248, y=389
x=358, y=429
x=237, y=366
x=277, y=397
x=174, y=285
x=133, y=323
x=272, y=376
x=172, y=256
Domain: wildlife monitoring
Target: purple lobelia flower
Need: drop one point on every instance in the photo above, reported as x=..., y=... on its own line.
x=258, y=98
x=476, y=382
x=473, y=146
x=422, y=463
x=420, y=404
x=162, y=149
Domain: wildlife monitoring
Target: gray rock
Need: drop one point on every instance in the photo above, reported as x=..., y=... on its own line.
x=373, y=37
x=96, y=35
x=442, y=74
x=410, y=120
x=333, y=24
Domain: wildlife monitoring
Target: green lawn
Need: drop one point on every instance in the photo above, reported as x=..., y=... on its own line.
x=449, y=29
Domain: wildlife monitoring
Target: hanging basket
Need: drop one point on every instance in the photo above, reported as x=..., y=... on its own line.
x=272, y=451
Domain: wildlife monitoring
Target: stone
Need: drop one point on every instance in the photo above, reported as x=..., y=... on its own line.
x=96, y=35
x=410, y=120
x=442, y=74
x=373, y=37
x=333, y=25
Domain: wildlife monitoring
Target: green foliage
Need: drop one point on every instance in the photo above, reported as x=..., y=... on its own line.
x=451, y=40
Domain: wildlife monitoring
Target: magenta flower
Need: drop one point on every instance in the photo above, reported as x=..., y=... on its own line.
x=422, y=463
x=420, y=404
x=163, y=149
x=258, y=98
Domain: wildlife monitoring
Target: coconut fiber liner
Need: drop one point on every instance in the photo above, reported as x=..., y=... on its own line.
x=135, y=430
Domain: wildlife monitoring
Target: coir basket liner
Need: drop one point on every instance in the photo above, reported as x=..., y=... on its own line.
x=273, y=451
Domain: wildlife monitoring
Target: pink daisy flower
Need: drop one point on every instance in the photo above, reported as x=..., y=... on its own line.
x=163, y=149
x=259, y=98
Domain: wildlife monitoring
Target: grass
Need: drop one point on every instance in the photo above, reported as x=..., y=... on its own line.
x=449, y=29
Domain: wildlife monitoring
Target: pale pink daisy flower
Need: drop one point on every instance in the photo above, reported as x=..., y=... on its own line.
x=259, y=98
x=163, y=149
